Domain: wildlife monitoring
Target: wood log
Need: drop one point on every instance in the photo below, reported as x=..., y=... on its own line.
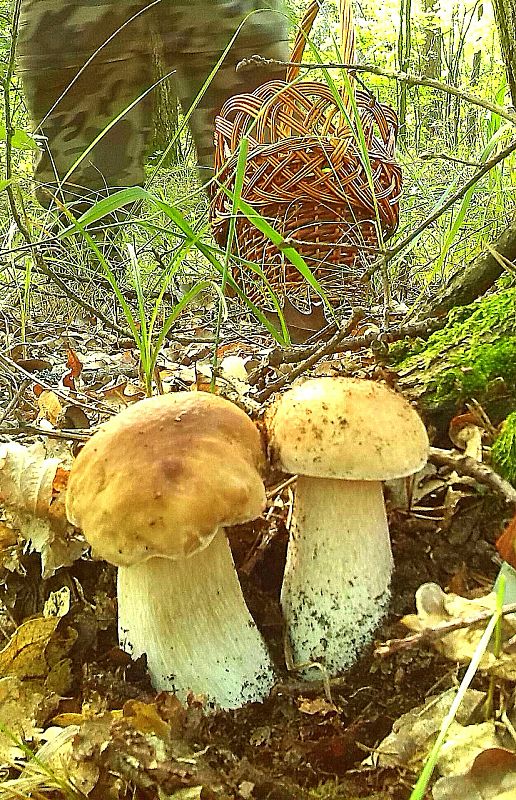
x=472, y=357
x=476, y=278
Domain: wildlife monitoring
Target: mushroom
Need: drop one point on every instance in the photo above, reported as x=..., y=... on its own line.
x=466, y=434
x=342, y=437
x=153, y=490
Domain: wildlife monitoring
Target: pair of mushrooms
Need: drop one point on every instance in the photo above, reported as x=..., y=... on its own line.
x=155, y=487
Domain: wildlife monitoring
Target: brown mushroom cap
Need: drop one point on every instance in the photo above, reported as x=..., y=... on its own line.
x=164, y=475
x=346, y=428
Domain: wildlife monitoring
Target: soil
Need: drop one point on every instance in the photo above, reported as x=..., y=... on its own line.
x=296, y=745
x=300, y=744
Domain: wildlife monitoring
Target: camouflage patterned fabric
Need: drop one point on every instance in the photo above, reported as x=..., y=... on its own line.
x=71, y=107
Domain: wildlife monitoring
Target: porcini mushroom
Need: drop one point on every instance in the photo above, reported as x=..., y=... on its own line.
x=342, y=437
x=153, y=490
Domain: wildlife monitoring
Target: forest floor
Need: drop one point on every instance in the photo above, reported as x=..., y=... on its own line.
x=98, y=728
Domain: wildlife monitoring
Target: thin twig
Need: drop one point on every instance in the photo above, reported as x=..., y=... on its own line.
x=33, y=430
x=434, y=634
x=339, y=343
x=14, y=368
x=465, y=465
x=324, y=349
x=11, y=405
x=401, y=77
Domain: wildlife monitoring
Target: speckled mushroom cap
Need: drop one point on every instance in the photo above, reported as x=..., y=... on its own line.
x=161, y=477
x=346, y=428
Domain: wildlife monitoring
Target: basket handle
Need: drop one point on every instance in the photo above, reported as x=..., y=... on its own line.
x=347, y=32
x=347, y=36
x=303, y=33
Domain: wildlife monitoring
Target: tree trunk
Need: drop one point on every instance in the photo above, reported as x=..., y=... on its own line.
x=165, y=113
x=404, y=50
x=505, y=16
x=432, y=44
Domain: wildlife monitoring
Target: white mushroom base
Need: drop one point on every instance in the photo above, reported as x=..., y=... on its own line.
x=191, y=620
x=339, y=564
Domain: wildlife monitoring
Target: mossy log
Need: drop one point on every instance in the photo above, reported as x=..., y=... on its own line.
x=473, y=356
x=475, y=278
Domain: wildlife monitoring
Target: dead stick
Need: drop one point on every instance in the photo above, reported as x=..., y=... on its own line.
x=465, y=465
x=323, y=350
x=345, y=344
x=401, y=77
x=433, y=634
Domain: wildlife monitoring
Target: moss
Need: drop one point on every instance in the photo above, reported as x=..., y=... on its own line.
x=503, y=453
x=338, y=791
x=476, y=348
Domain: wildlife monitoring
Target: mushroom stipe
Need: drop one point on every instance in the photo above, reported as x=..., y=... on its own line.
x=342, y=437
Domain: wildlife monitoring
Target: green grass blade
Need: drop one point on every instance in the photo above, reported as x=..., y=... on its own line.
x=419, y=790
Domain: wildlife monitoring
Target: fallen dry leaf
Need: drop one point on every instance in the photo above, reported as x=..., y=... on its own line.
x=19, y=705
x=26, y=478
x=434, y=607
x=37, y=652
x=413, y=734
x=492, y=776
x=144, y=717
x=50, y=407
x=32, y=492
x=317, y=705
x=56, y=756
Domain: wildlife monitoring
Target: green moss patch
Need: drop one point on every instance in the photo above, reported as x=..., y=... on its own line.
x=469, y=356
x=503, y=453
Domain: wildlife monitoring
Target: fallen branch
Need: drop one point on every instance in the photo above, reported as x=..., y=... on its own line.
x=400, y=77
x=434, y=634
x=420, y=330
x=322, y=350
x=465, y=465
x=340, y=342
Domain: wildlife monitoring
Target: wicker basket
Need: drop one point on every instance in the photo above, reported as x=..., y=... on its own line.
x=305, y=175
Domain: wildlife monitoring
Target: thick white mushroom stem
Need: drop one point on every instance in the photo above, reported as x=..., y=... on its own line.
x=190, y=618
x=339, y=565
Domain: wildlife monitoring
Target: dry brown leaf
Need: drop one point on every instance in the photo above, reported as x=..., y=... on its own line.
x=434, y=607
x=75, y=368
x=36, y=648
x=50, y=407
x=32, y=491
x=8, y=537
x=413, y=734
x=57, y=754
x=26, y=478
x=24, y=655
x=19, y=705
x=317, y=705
x=144, y=717
x=492, y=777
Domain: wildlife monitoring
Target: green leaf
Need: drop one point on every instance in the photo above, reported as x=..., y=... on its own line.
x=21, y=140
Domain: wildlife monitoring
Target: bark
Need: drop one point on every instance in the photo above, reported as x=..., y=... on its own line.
x=404, y=51
x=432, y=45
x=505, y=16
x=165, y=112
